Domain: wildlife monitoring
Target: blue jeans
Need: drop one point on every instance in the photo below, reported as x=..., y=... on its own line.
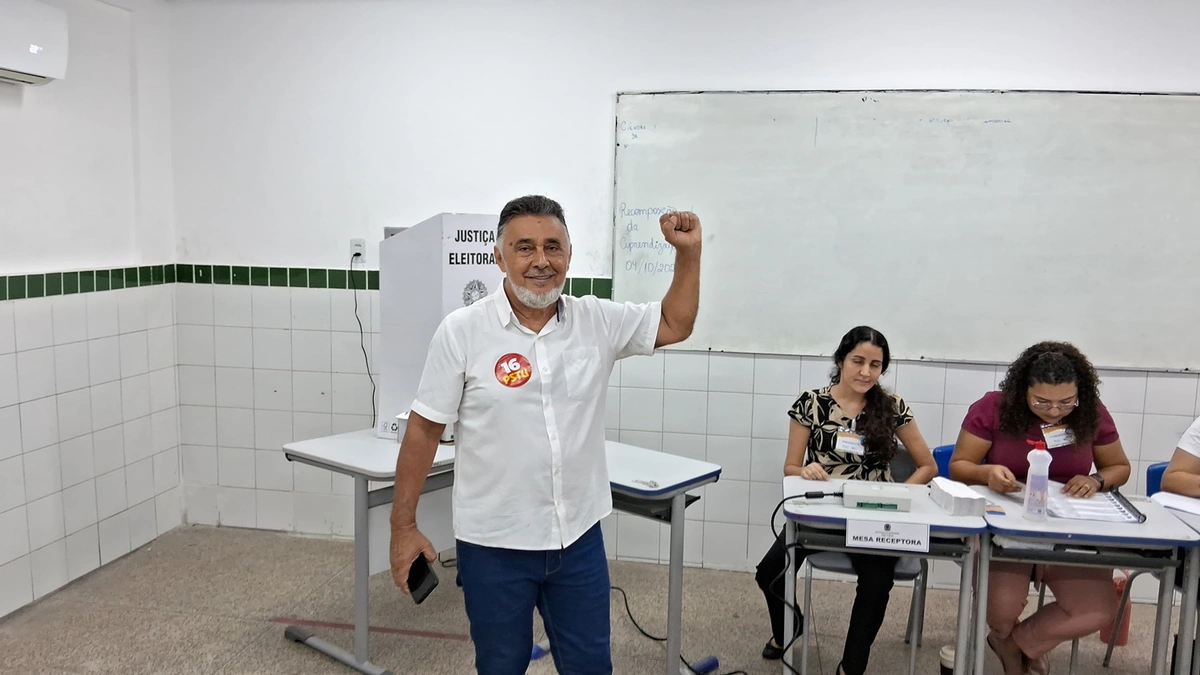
x=570, y=589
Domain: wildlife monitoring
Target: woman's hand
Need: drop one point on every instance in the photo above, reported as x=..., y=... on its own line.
x=814, y=471
x=1081, y=486
x=1001, y=480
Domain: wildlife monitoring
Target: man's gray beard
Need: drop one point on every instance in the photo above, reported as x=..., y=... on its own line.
x=536, y=300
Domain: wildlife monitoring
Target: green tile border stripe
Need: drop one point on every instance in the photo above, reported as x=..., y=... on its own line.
x=20, y=286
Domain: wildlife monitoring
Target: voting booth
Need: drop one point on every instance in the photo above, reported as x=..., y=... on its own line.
x=425, y=272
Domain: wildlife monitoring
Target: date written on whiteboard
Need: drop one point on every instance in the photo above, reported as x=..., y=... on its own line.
x=649, y=267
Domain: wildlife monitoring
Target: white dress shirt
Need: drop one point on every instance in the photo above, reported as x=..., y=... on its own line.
x=530, y=468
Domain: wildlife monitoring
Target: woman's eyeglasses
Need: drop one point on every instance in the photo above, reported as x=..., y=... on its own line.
x=1049, y=405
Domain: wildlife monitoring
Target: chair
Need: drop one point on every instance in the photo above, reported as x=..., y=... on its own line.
x=1154, y=474
x=941, y=455
x=907, y=569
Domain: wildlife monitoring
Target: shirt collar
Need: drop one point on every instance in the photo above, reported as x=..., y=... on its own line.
x=504, y=310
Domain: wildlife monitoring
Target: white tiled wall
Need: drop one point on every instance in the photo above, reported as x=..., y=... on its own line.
x=731, y=410
x=260, y=367
x=89, y=457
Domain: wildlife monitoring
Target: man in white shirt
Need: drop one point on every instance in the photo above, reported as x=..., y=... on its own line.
x=523, y=376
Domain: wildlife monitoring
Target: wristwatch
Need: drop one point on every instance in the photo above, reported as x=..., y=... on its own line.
x=1099, y=479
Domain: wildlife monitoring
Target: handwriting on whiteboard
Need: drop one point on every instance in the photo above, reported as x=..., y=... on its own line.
x=641, y=238
x=642, y=212
x=654, y=244
x=633, y=129
x=943, y=120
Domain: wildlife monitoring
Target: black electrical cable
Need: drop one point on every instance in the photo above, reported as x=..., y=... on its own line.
x=362, y=337
x=641, y=630
x=795, y=610
x=655, y=638
x=787, y=552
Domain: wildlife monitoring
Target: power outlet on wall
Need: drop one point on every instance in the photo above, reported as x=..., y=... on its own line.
x=358, y=251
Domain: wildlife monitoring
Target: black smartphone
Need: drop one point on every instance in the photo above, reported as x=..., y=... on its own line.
x=421, y=579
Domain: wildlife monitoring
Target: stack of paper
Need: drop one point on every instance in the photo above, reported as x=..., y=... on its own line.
x=1178, y=502
x=956, y=498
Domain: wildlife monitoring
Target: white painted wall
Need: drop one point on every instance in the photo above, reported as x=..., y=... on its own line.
x=66, y=172
x=85, y=161
x=89, y=420
x=317, y=121
x=154, y=229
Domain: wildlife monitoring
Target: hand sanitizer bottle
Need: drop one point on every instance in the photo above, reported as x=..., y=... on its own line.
x=1037, y=482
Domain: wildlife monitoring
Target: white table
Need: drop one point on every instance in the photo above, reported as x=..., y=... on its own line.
x=1083, y=543
x=644, y=482
x=1190, y=571
x=821, y=524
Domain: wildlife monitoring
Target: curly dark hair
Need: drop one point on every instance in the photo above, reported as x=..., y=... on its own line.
x=1050, y=363
x=878, y=420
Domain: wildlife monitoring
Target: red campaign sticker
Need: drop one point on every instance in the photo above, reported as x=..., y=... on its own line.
x=513, y=370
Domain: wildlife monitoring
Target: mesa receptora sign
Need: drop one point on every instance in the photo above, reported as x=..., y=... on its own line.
x=893, y=536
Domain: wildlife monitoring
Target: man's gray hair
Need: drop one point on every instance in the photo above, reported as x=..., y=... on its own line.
x=529, y=205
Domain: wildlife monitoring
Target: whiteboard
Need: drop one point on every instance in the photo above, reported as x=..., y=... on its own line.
x=964, y=225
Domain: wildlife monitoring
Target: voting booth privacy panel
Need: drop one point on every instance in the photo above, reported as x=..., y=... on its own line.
x=425, y=272
x=964, y=225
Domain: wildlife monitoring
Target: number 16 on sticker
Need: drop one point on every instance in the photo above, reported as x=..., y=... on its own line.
x=513, y=370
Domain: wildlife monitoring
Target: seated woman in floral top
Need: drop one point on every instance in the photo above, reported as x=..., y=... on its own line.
x=848, y=430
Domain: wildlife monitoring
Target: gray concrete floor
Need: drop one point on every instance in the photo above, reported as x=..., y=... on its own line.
x=215, y=601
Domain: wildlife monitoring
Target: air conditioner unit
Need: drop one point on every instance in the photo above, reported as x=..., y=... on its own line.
x=33, y=42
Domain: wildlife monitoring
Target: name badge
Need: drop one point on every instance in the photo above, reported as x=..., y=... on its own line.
x=850, y=441
x=1058, y=435
x=888, y=536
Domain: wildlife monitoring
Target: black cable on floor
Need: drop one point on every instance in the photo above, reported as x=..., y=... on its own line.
x=787, y=566
x=632, y=620
x=629, y=613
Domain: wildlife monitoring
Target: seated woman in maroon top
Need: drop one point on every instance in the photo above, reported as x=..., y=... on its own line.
x=1051, y=394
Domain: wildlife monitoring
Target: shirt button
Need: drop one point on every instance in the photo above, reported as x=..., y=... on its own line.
x=545, y=369
x=554, y=437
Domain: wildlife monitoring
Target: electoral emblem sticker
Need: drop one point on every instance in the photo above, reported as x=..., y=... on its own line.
x=513, y=370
